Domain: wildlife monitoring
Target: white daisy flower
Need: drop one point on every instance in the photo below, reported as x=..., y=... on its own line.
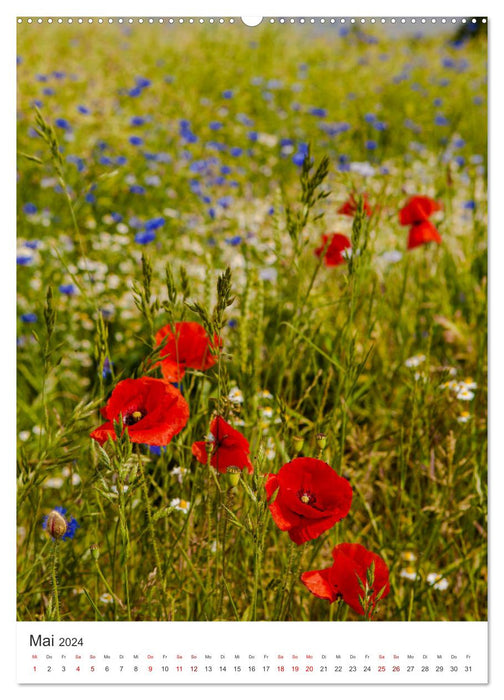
x=409, y=573
x=415, y=361
x=235, y=395
x=437, y=582
x=465, y=395
x=180, y=504
x=464, y=417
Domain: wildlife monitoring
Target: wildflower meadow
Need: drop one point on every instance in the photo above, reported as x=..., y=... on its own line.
x=251, y=321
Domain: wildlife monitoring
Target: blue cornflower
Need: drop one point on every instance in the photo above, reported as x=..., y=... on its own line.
x=211, y=213
x=137, y=189
x=59, y=527
x=143, y=82
x=90, y=198
x=232, y=323
x=58, y=74
x=371, y=145
x=38, y=103
x=107, y=368
x=478, y=100
x=24, y=259
x=227, y=94
x=34, y=244
x=459, y=160
x=380, y=126
x=63, y=124
x=105, y=160
x=441, y=120
x=253, y=136
x=236, y=151
x=116, y=218
x=215, y=126
x=83, y=109
x=137, y=121
x=369, y=118
x=145, y=237
x=153, y=224
x=29, y=208
x=298, y=158
x=448, y=62
x=226, y=170
x=135, y=92
x=29, y=318
x=41, y=78
x=67, y=289
x=121, y=160
x=437, y=102
x=234, y=240
x=136, y=140
x=318, y=112
x=77, y=161
x=470, y=204
x=225, y=202
x=459, y=143
x=48, y=92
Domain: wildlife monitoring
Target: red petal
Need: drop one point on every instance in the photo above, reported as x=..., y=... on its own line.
x=418, y=209
x=421, y=233
x=318, y=583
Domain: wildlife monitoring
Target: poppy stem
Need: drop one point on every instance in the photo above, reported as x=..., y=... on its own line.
x=55, y=612
x=152, y=531
x=123, y=525
x=293, y=568
x=258, y=554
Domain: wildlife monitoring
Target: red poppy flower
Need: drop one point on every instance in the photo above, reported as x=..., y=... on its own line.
x=188, y=346
x=417, y=209
x=347, y=576
x=229, y=448
x=416, y=214
x=310, y=499
x=151, y=409
x=423, y=232
x=333, y=244
x=349, y=208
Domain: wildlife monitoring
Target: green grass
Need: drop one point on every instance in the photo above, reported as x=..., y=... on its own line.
x=329, y=345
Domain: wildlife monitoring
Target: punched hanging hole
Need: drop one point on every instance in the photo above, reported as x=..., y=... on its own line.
x=251, y=21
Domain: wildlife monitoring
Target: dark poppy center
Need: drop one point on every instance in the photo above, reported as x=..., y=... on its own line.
x=306, y=497
x=133, y=417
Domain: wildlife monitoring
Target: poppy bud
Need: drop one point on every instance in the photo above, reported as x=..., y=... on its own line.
x=321, y=439
x=297, y=444
x=233, y=475
x=56, y=525
x=95, y=551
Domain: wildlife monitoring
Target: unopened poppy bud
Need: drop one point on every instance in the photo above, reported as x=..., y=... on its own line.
x=56, y=525
x=209, y=444
x=95, y=551
x=297, y=444
x=233, y=475
x=321, y=439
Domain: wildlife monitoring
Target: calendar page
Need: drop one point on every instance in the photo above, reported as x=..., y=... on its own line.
x=251, y=350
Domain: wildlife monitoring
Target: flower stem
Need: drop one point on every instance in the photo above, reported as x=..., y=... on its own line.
x=125, y=543
x=54, y=576
x=152, y=532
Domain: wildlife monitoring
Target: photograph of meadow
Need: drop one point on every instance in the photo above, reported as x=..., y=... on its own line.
x=251, y=321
